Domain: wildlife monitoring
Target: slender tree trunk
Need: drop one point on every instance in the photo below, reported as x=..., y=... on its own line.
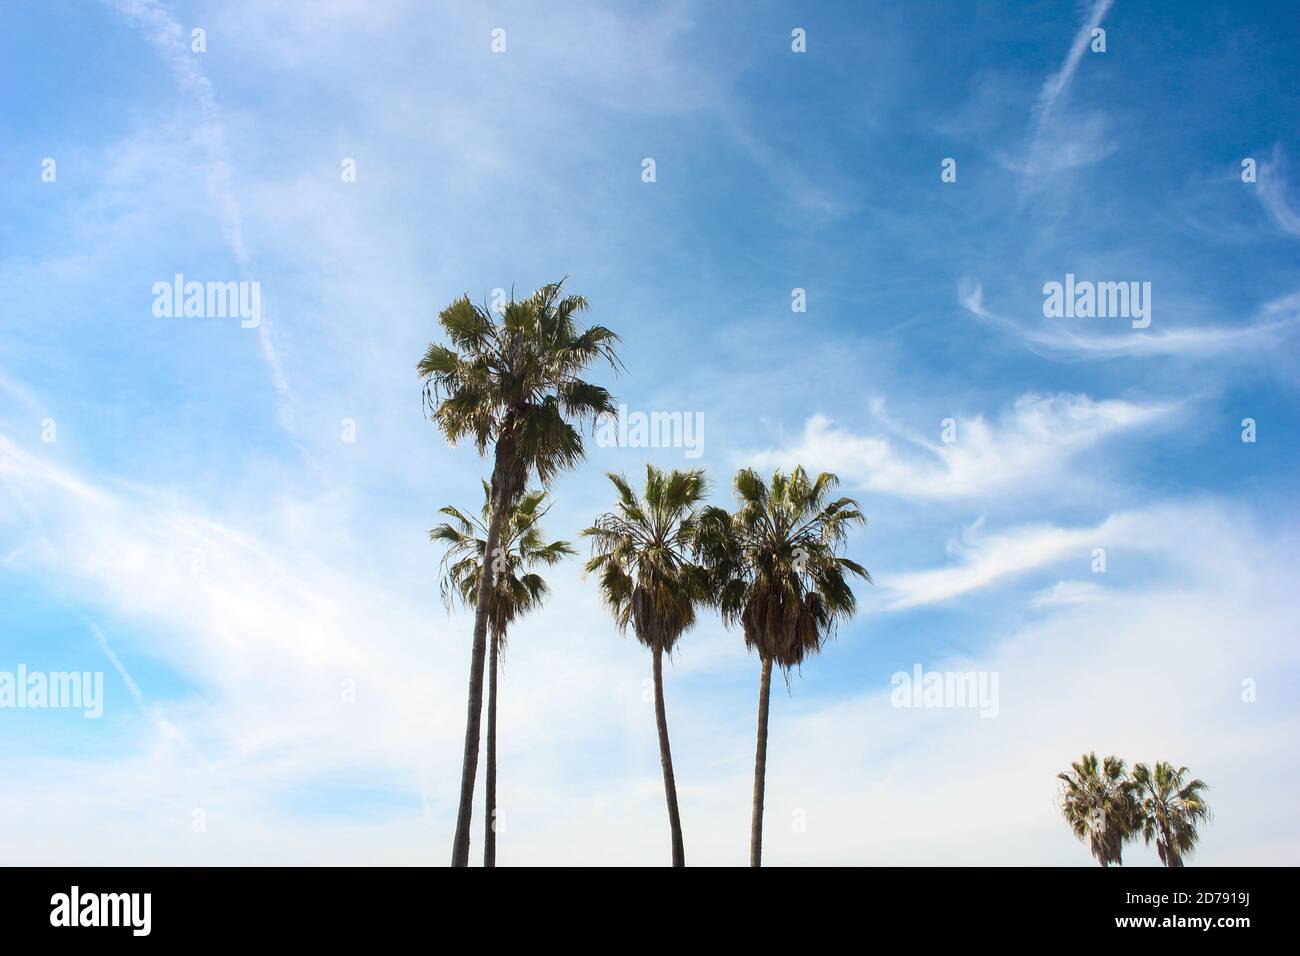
x=501, y=495
x=1172, y=857
x=666, y=758
x=760, y=767
x=490, y=821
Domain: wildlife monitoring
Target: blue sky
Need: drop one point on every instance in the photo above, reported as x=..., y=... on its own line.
x=199, y=531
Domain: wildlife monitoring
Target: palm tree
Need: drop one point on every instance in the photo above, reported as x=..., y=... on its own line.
x=1098, y=802
x=642, y=551
x=516, y=590
x=777, y=569
x=1169, y=810
x=513, y=385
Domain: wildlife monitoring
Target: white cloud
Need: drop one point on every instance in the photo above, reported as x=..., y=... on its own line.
x=1025, y=448
x=1277, y=319
x=1056, y=85
x=264, y=627
x=173, y=42
x=1152, y=674
x=1271, y=187
x=1058, y=142
x=982, y=560
x=1069, y=592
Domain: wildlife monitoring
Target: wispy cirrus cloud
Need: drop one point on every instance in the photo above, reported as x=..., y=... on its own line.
x=266, y=633
x=1068, y=594
x=173, y=42
x=1274, y=321
x=1272, y=190
x=298, y=671
x=985, y=560
x=1027, y=445
x=1185, y=539
x=1137, y=670
x=1056, y=85
x=1058, y=142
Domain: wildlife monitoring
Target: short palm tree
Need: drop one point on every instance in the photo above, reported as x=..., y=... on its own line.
x=641, y=551
x=1170, y=810
x=777, y=569
x=516, y=590
x=512, y=385
x=1097, y=800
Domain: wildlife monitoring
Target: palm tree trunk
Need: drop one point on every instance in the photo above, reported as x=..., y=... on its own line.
x=760, y=767
x=490, y=821
x=1172, y=858
x=666, y=758
x=501, y=494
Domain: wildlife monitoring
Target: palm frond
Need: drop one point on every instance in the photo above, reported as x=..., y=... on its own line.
x=776, y=566
x=518, y=380
x=517, y=589
x=643, y=552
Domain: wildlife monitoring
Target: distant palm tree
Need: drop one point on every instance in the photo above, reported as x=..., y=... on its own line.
x=512, y=385
x=776, y=568
x=516, y=590
x=1098, y=802
x=642, y=552
x=1169, y=810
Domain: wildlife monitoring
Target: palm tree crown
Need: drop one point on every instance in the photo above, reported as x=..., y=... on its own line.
x=1169, y=810
x=642, y=553
x=776, y=563
x=516, y=382
x=516, y=590
x=1097, y=800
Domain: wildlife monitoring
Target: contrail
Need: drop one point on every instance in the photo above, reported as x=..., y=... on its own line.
x=1056, y=85
x=152, y=714
x=170, y=38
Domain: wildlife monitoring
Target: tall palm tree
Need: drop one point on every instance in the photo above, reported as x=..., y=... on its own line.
x=642, y=552
x=1097, y=800
x=514, y=386
x=516, y=590
x=1169, y=810
x=777, y=569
